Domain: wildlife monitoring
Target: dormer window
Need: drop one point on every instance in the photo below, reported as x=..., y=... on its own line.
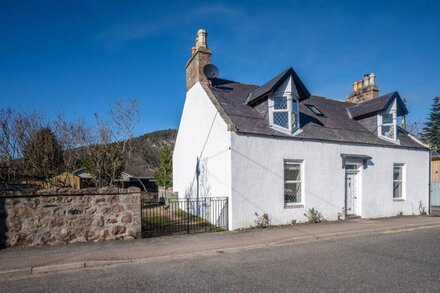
x=284, y=113
x=280, y=112
x=387, y=126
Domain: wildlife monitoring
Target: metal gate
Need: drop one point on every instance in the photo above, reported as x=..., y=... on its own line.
x=184, y=216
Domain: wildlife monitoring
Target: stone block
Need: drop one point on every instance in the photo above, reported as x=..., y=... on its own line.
x=118, y=230
x=133, y=189
x=112, y=221
x=126, y=218
x=117, y=209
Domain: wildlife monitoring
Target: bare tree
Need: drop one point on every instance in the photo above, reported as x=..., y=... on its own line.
x=16, y=131
x=73, y=136
x=111, y=141
x=415, y=128
x=101, y=149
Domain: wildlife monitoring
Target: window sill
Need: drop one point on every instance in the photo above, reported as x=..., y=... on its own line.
x=398, y=199
x=293, y=206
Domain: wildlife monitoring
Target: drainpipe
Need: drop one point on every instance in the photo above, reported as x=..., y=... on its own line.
x=429, y=189
x=197, y=176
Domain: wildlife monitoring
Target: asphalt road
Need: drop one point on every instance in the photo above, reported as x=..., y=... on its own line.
x=389, y=262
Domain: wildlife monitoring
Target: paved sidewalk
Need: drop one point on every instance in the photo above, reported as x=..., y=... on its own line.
x=34, y=260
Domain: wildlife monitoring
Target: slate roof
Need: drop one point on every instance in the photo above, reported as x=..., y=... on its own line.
x=266, y=88
x=335, y=125
x=378, y=104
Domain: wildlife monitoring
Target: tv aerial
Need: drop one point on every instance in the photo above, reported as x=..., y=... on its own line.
x=210, y=71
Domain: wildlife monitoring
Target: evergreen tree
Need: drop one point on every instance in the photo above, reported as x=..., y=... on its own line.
x=431, y=131
x=164, y=174
x=43, y=155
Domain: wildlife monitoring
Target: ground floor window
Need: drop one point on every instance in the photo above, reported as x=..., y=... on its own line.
x=398, y=182
x=293, y=182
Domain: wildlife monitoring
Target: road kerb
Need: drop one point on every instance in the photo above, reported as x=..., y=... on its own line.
x=329, y=236
x=15, y=273
x=58, y=267
x=297, y=240
x=103, y=263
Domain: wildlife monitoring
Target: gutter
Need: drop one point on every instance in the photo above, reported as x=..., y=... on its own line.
x=295, y=138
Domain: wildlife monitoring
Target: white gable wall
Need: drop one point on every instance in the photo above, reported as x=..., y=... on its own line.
x=258, y=183
x=202, y=132
x=288, y=86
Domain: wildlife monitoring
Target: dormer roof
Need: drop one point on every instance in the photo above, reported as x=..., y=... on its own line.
x=262, y=91
x=377, y=105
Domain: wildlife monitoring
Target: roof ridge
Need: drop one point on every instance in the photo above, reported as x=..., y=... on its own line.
x=333, y=99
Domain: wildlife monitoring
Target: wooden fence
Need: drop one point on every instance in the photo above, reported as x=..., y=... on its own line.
x=435, y=193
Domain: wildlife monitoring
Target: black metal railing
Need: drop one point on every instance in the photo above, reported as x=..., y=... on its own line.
x=184, y=216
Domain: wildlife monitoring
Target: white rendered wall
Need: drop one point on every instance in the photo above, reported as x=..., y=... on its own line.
x=202, y=132
x=257, y=179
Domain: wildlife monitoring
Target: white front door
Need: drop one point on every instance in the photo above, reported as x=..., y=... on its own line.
x=351, y=192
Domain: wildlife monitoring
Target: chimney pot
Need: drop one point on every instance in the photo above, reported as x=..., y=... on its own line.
x=366, y=80
x=201, y=39
x=372, y=78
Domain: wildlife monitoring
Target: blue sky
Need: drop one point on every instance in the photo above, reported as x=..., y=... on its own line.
x=77, y=57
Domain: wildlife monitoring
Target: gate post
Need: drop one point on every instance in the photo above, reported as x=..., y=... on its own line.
x=187, y=215
x=227, y=213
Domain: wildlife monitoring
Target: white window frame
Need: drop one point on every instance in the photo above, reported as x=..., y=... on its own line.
x=301, y=182
x=402, y=181
x=290, y=99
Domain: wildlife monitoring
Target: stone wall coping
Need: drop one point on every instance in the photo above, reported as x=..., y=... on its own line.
x=70, y=192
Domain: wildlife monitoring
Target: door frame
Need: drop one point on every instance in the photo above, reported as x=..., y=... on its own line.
x=355, y=169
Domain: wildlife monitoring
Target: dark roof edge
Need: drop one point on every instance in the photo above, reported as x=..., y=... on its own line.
x=219, y=107
x=392, y=96
x=421, y=148
x=281, y=79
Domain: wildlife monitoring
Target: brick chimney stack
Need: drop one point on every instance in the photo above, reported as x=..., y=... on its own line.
x=201, y=56
x=364, y=89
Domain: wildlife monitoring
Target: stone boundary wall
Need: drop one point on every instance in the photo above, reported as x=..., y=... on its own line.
x=60, y=216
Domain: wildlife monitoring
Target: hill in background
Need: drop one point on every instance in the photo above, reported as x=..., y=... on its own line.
x=145, y=152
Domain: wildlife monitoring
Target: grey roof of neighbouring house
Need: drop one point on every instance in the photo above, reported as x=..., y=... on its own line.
x=82, y=173
x=336, y=124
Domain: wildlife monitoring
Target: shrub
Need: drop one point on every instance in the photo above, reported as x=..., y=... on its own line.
x=341, y=215
x=315, y=216
x=422, y=208
x=262, y=221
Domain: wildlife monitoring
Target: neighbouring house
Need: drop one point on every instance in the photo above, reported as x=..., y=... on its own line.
x=143, y=180
x=279, y=150
x=77, y=179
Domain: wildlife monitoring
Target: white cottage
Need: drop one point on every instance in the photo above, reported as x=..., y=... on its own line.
x=276, y=149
